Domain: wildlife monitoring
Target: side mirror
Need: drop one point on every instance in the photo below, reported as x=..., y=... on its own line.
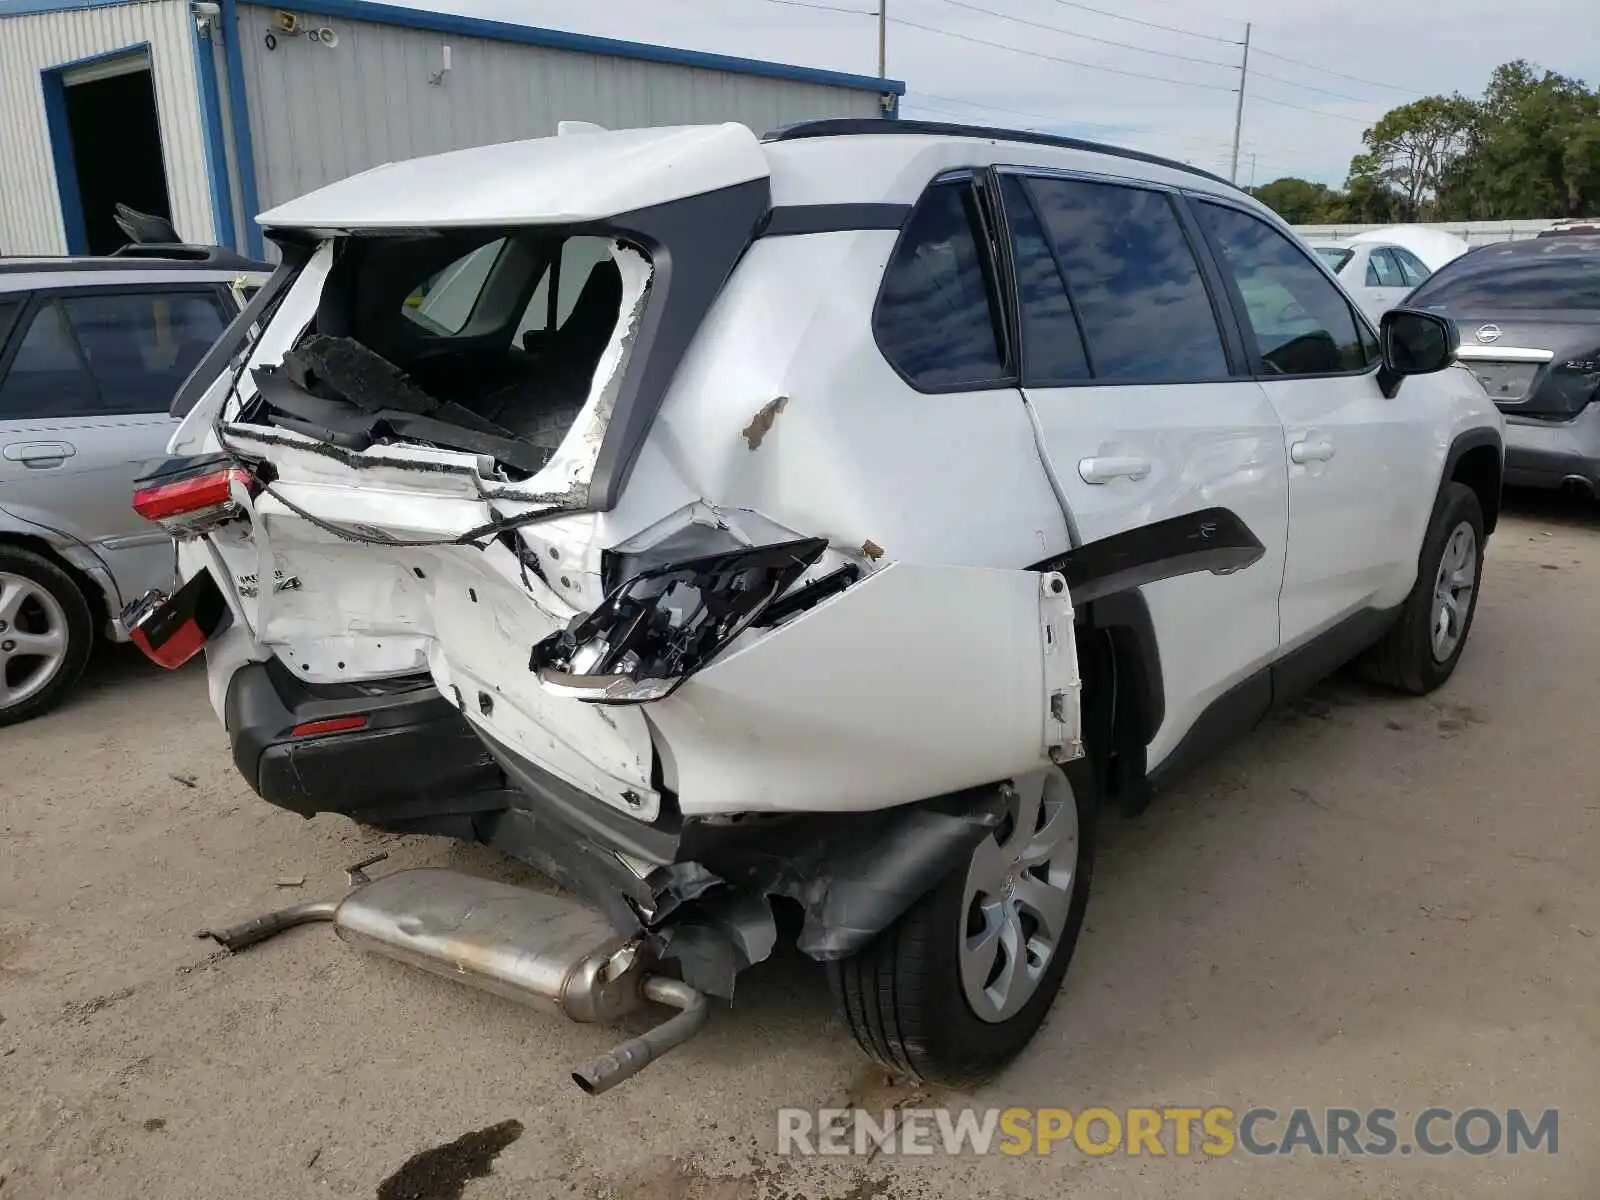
x=1414, y=342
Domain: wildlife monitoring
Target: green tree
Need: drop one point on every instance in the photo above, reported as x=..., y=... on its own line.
x=1297, y=201
x=1411, y=149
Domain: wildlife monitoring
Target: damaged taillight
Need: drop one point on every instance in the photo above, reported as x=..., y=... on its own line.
x=190, y=496
x=172, y=629
x=663, y=624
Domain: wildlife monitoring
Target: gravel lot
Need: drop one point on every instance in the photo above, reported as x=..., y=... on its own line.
x=1370, y=902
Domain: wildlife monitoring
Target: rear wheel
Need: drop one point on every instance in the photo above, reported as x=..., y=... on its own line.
x=45, y=634
x=1422, y=647
x=956, y=988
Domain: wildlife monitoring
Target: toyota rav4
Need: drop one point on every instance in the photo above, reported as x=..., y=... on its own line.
x=826, y=522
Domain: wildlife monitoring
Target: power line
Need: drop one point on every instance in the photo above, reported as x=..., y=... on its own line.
x=1100, y=12
x=834, y=8
x=1338, y=75
x=1087, y=37
x=1308, y=87
x=1058, y=121
x=1071, y=62
x=1317, y=112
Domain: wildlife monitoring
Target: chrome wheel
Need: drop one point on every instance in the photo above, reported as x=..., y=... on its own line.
x=33, y=638
x=1452, y=590
x=1018, y=897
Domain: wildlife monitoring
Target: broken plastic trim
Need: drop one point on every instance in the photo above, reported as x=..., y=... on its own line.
x=1212, y=539
x=661, y=625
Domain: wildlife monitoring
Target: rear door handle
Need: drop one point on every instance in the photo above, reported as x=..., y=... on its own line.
x=1311, y=450
x=39, y=455
x=1104, y=470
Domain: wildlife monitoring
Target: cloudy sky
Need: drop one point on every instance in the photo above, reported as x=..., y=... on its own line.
x=1320, y=70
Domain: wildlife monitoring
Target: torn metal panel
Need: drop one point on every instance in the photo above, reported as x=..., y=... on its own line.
x=913, y=681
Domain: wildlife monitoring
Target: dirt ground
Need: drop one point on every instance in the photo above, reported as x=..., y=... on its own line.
x=1372, y=901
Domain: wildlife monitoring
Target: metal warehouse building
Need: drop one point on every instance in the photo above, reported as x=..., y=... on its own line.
x=208, y=113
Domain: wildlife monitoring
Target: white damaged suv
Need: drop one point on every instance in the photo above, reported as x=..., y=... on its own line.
x=825, y=522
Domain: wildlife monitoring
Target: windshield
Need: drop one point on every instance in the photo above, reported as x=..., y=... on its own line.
x=1333, y=257
x=1511, y=281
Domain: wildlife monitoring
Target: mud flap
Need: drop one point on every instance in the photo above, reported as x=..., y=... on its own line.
x=916, y=681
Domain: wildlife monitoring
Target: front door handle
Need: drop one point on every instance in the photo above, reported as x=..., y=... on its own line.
x=1311, y=450
x=1105, y=469
x=39, y=455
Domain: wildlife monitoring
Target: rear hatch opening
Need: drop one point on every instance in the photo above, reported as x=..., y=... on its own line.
x=498, y=343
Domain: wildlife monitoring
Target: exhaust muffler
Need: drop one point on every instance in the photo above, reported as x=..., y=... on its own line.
x=540, y=950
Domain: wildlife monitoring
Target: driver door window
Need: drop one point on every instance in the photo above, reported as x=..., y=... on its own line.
x=1301, y=322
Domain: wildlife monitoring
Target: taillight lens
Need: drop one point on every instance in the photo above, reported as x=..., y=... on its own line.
x=192, y=498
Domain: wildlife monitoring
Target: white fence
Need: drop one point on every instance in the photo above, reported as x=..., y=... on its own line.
x=1475, y=233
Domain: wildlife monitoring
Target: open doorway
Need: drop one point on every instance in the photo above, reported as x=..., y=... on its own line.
x=106, y=137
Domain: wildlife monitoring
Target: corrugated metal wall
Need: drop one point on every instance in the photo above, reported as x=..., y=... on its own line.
x=319, y=114
x=30, y=206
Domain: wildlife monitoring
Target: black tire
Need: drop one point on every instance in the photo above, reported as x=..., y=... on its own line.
x=1403, y=659
x=902, y=995
x=79, y=631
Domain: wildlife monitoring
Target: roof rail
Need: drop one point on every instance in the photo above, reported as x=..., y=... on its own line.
x=216, y=256
x=851, y=126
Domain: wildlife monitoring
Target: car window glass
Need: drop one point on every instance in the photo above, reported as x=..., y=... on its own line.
x=1414, y=269
x=578, y=258
x=1302, y=323
x=1384, y=271
x=937, y=319
x=1134, y=280
x=1334, y=256
x=141, y=345
x=1494, y=279
x=47, y=378
x=1052, y=346
x=444, y=302
x=9, y=310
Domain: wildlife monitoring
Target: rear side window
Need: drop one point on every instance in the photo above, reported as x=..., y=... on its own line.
x=444, y=302
x=47, y=376
x=109, y=353
x=8, y=314
x=1414, y=269
x=938, y=319
x=1052, y=343
x=1302, y=323
x=1487, y=281
x=1134, y=281
x=1384, y=271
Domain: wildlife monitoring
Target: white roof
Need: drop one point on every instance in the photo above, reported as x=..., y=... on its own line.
x=578, y=176
x=590, y=174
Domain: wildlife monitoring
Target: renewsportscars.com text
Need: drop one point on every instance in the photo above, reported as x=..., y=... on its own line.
x=1213, y=1131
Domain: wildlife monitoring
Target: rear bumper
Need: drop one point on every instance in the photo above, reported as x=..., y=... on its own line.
x=416, y=758
x=1548, y=454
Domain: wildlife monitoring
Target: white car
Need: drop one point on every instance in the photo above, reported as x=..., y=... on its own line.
x=1380, y=275
x=884, y=496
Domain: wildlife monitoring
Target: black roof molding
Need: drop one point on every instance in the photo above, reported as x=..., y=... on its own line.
x=855, y=126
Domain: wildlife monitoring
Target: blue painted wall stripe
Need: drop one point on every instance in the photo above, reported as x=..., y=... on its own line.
x=205, y=67
x=239, y=118
x=55, y=115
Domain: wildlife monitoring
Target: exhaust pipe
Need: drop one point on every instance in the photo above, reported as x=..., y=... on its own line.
x=545, y=951
x=1578, y=486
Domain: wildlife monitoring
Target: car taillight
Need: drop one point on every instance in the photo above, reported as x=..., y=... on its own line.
x=172, y=629
x=192, y=496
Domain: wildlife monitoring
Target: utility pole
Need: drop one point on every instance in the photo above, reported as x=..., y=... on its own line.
x=1252, y=169
x=1238, y=113
x=883, y=39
